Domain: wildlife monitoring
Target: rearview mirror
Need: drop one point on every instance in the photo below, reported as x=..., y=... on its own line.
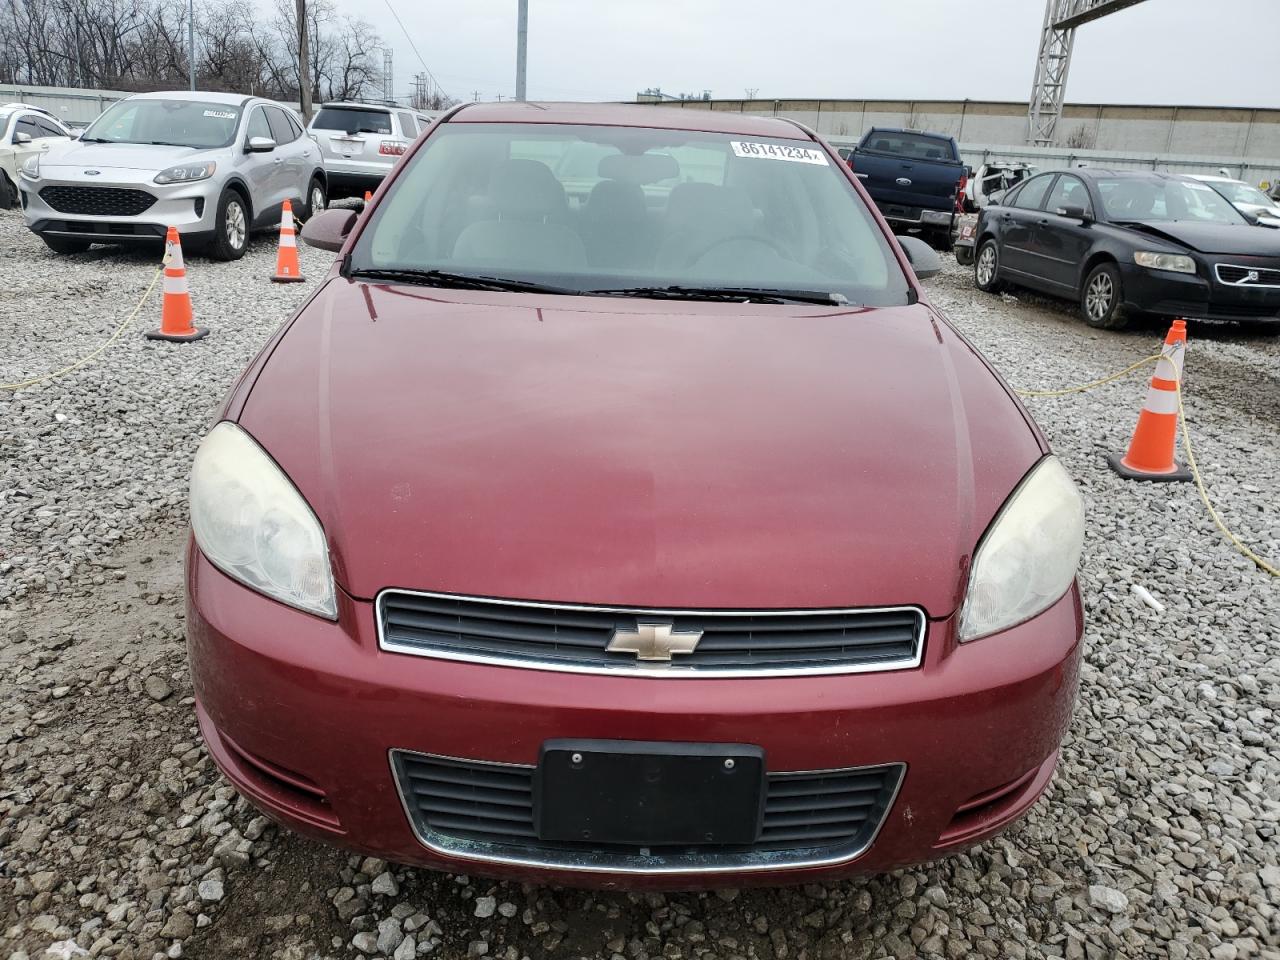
x=22, y=139
x=329, y=230
x=1074, y=213
x=259, y=145
x=924, y=259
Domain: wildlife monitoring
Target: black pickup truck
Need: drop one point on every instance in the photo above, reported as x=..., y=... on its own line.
x=914, y=178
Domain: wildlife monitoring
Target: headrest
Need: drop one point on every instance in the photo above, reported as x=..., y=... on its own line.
x=527, y=190
x=639, y=168
x=615, y=200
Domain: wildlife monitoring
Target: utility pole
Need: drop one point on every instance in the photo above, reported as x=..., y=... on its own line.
x=304, y=66
x=191, y=40
x=522, y=47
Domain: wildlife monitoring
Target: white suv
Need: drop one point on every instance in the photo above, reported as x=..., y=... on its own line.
x=361, y=142
x=24, y=130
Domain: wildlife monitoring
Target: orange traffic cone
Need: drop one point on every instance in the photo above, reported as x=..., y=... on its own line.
x=288, y=270
x=175, y=314
x=1151, y=452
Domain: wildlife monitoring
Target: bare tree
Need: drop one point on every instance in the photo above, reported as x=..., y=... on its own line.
x=142, y=45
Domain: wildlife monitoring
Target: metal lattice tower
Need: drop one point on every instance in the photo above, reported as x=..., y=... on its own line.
x=388, y=76
x=1061, y=18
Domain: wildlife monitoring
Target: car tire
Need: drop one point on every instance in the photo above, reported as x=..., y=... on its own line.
x=8, y=192
x=943, y=241
x=317, y=201
x=986, y=267
x=1101, y=300
x=230, y=227
x=64, y=245
x=964, y=255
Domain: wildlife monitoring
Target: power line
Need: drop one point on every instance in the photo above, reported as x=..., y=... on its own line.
x=413, y=46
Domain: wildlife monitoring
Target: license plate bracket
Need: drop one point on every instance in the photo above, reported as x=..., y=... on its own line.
x=649, y=794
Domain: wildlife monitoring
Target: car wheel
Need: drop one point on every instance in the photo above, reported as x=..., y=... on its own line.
x=8, y=192
x=1100, y=303
x=230, y=227
x=964, y=255
x=316, y=200
x=64, y=245
x=986, y=268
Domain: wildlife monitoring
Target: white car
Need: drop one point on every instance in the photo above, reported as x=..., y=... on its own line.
x=361, y=142
x=24, y=130
x=1246, y=198
x=214, y=165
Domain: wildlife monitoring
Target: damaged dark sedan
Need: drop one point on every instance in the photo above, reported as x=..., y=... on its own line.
x=1125, y=243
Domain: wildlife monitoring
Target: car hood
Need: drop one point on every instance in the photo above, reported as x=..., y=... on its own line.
x=1239, y=239
x=681, y=455
x=120, y=156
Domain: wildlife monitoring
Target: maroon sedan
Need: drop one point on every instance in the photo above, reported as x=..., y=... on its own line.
x=619, y=512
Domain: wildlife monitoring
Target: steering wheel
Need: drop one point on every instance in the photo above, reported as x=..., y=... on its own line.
x=738, y=238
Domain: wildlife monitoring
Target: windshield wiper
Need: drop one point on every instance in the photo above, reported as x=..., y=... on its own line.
x=728, y=294
x=168, y=143
x=464, y=281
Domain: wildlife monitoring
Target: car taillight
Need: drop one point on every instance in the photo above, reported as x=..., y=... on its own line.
x=389, y=148
x=964, y=183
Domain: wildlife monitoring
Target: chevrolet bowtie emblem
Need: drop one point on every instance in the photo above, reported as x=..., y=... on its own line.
x=652, y=642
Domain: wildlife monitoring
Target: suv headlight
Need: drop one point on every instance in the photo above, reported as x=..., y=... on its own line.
x=1028, y=557
x=1154, y=260
x=31, y=167
x=253, y=525
x=187, y=172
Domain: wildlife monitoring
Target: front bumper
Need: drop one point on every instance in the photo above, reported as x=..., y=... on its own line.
x=191, y=207
x=307, y=717
x=1166, y=293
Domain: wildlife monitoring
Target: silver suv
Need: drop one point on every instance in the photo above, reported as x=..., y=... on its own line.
x=362, y=142
x=214, y=165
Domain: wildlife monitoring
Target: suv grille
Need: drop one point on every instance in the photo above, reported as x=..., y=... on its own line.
x=485, y=811
x=1248, y=276
x=97, y=201
x=575, y=638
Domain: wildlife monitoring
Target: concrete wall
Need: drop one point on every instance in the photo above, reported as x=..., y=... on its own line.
x=1240, y=134
x=67, y=104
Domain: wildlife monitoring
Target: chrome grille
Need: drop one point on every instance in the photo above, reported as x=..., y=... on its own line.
x=576, y=638
x=97, y=201
x=1235, y=275
x=484, y=811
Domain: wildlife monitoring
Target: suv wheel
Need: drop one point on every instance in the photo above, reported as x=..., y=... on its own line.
x=64, y=245
x=316, y=200
x=986, y=268
x=1100, y=303
x=8, y=192
x=230, y=227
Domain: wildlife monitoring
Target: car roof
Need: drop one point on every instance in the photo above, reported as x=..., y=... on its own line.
x=234, y=99
x=353, y=105
x=1213, y=178
x=628, y=115
x=1093, y=173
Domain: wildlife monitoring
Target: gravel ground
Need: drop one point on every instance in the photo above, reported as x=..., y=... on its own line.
x=1159, y=837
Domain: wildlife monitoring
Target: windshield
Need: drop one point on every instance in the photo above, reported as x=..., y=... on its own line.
x=918, y=145
x=588, y=209
x=1241, y=193
x=352, y=121
x=1140, y=198
x=181, y=123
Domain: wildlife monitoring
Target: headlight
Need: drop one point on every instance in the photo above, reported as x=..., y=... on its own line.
x=254, y=526
x=1028, y=557
x=1164, y=261
x=187, y=172
x=31, y=167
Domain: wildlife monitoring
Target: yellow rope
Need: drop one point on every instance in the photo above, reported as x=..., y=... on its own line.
x=1186, y=440
x=86, y=359
x=1204, y=494
x=1089, y=386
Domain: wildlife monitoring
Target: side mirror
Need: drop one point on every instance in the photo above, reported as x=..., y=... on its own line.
x=329, y=230
x=22, y=139
x=1074, y=213
x=924, y=259
x=259, y=145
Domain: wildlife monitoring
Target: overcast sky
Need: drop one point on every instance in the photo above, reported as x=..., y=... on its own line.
x=1160, y=52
